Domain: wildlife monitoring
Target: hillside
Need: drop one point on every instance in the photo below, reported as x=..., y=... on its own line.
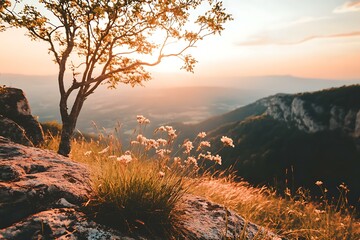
x=293, y=140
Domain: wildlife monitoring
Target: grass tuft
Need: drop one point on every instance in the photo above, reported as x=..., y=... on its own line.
x=135, y=196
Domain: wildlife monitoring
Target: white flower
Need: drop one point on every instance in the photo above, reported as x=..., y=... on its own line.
x=202, y=135
x=104, y=150
x=141, y=139
x=191, y=160
x=134, y=142
x=343, y=186
x=208, y=156
x=162, y=128
x=151, y=143
x=172, y=133
x=319, y=183
x=203, y=144
x=177, y=160
x=142, y=120
x=227, y=141
x=161, y=141
x=169, y=128
x=217, y=159
x=162, y=152
x=188, y=146
x=124, y=158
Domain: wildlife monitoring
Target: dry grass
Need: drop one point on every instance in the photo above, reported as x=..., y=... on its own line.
x=294, y=217
x=151, y=184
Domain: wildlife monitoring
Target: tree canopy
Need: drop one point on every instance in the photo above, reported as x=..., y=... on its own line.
x=113, y=41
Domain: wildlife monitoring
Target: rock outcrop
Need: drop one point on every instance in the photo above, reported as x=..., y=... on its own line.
x=33, y=180
x=206, y=220
x=311, y=117
x=15, y=107
x=10, y=129
x=41, y=194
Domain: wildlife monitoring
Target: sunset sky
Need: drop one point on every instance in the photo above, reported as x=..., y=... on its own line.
x=307, y=38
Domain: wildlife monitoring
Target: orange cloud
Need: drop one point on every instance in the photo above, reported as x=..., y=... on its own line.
x=266, y=41
x=352, y=6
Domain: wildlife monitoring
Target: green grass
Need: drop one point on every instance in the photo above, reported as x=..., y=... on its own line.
x=141, y=196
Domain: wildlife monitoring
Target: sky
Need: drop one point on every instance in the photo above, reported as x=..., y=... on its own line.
x=304, y=38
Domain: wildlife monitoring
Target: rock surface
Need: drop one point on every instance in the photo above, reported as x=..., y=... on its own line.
x=310, y=117
x=41, y=194
x=11, y=130
x=59, y=223
x=15, y=106
x=33, y=180
x=204, y=220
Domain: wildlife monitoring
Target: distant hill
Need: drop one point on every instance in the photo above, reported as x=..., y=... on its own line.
x=293, y=140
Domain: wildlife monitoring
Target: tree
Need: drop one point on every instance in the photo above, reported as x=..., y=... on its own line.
x=111, y=41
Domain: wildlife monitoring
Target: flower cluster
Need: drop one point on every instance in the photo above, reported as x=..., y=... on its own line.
x=208, y=156
x=126, y=158
x=201, y=135
x=149, y=143
x=319, y=183
x=227, y=141
x=163, y=152
x=191, y=161
x=188, y=145
x=162, y=148
x=142, y=120
x=203, y=144
x=171, y=132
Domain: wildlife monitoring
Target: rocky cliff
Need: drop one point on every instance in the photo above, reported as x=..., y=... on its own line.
x=310, y=115
x=315, y=136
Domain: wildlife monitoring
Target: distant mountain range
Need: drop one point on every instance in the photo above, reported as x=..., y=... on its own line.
x=292, y=140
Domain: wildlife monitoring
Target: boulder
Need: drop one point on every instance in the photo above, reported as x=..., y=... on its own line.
x=12, y=130
x=42, y=196
x=202, y=220
x=15, y=106
x=33, y=180
x=60, y=223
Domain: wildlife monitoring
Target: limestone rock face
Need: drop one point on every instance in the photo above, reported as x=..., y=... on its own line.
x=310, y=117
x=357, y=125
x=15, y=106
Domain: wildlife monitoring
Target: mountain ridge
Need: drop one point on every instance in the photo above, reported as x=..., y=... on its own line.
x=294, y=139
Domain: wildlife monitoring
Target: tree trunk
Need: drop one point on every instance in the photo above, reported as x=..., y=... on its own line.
x=69, y=122
x=66, y=135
